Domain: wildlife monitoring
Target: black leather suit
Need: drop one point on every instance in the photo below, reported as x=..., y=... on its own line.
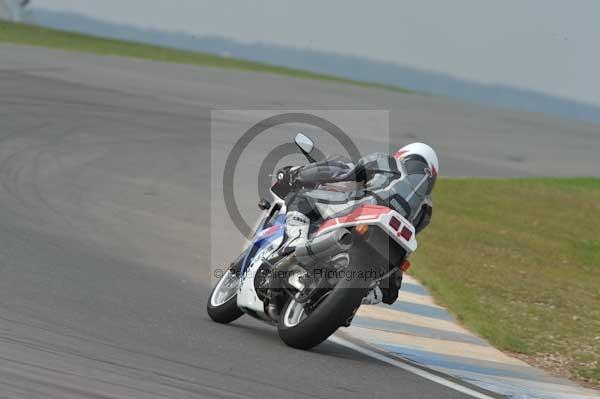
x=404, y=186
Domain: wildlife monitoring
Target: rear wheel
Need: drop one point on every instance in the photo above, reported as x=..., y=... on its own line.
x=302, y=329
x=304, y=325
x=222, y=302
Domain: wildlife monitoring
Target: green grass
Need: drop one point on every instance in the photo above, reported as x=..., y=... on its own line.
x=518, y=261
x=36, y=36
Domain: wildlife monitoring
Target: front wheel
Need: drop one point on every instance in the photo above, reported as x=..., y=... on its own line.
x=222, y=303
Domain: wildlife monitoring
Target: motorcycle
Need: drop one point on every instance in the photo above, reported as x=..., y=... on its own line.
x=311, y=290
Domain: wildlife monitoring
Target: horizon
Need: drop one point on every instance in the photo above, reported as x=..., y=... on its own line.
x=552, y=53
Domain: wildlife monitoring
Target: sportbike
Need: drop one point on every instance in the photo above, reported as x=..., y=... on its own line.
x=311, y=290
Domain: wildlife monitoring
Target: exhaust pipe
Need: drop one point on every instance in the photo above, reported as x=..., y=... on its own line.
x=326, y=245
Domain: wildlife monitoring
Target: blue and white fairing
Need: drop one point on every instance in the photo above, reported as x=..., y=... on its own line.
x=264, y=243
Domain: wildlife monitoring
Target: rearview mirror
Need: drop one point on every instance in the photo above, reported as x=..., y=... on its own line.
x=305, y=143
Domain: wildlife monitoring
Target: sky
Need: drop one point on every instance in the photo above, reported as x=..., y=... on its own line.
x=547, y=45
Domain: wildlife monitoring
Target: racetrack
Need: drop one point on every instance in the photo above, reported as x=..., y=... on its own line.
x=104, y=208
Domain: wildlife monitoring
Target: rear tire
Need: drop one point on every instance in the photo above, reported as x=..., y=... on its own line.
x=335, y=310
x=221, y=306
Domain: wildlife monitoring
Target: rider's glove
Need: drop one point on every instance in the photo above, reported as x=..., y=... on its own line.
x=288, y=174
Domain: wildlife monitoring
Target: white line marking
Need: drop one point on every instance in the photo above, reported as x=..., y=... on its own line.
x=415, y=370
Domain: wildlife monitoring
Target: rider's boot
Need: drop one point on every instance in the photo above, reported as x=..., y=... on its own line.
x=374, y=296
x=296, y=230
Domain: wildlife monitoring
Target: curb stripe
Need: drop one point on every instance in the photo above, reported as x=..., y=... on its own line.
x=420, y=336
x=421, y=310
x=406, y=328
x=475, y=352
x=388, y=314
x=412, y=369
x=416, y=298
x=414, y=289
x=458, y=363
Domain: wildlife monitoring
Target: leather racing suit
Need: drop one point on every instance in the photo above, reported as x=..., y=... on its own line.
x=403, y=185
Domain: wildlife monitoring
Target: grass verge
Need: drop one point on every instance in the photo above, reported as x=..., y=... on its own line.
x=32, y=35
x=518, y=261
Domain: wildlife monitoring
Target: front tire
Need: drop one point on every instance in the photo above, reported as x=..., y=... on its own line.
x=222, y=302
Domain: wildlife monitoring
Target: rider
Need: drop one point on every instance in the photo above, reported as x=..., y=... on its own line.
x=402, y=182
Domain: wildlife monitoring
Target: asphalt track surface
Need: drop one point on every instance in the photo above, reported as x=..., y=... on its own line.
x=105, y=208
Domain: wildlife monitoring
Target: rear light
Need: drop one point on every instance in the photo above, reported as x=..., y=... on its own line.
x=394, y=223
x=405, y=266
x=362, y=229
x=406, y=233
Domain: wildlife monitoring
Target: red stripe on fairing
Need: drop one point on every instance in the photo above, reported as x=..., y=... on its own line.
x=269, y=232
x=363, y=213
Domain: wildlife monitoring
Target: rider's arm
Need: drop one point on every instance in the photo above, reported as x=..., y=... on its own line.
x=423, y=219
x=330, y=171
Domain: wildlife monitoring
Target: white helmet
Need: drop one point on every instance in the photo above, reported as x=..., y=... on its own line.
x=422, y=150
